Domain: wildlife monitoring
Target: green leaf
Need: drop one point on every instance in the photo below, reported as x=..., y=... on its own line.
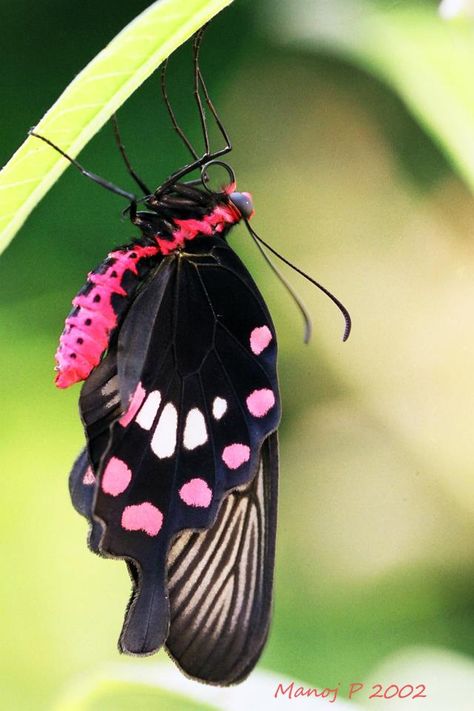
x=116, y=695
x=91, y=98
x=426, y=60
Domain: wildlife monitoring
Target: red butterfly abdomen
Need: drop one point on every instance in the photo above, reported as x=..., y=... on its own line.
x=96, y=313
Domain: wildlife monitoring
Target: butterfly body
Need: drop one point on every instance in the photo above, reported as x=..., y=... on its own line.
x=172, y=220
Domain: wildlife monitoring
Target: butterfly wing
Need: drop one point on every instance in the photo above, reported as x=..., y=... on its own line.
x=100, y=407
x=195, y=360
x=82, y=482
x=220, y=581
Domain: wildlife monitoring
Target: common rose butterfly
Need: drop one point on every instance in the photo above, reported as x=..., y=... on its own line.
x=180, y=407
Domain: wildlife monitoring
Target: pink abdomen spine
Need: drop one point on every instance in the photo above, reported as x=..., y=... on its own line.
x=97, y=310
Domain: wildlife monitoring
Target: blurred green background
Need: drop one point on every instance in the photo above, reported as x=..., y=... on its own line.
x=353, y=182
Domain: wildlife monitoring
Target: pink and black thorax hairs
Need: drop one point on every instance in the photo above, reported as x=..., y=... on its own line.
x=180, y=407
x=174, y=218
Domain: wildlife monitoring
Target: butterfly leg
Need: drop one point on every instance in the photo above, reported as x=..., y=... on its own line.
x=208, y=155
x=87, y=173
x=172, y=115
x=121, y=147
x=199, y=82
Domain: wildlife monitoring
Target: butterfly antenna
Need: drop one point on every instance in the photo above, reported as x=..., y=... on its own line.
x=308, y=326
x=171, y=113
x=259, y=241
x=121, y=147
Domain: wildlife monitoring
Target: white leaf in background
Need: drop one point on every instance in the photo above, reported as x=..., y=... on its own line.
x=448, y=677
x=256, y=692
x=450, y=9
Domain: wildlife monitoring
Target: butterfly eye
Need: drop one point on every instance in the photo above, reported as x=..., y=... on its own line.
x=243, y=203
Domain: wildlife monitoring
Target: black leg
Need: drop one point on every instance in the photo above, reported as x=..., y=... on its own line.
x=132, y=211
x=207, y=98
x=197, y=95
x=121, y=147
x=171, y=113
x=199, y=82
x=92, y=176
x=220, y=125
x=207, y=156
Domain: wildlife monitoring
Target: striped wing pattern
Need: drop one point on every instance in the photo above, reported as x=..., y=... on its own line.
x=220, y=581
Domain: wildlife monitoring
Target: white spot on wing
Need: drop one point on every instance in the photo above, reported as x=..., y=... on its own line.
x=219, y=407
x=195, y=432
x=114, y=401
x=110, y=387
x=147, y=414
x=163, y=442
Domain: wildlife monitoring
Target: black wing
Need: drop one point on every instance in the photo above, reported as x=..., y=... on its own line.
x=195, y=360
x=82, y=485
x=220, y=581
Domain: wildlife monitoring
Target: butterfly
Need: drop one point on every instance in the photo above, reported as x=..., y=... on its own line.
x=180, y=407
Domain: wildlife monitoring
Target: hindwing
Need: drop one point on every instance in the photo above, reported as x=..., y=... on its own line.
x=219, y=580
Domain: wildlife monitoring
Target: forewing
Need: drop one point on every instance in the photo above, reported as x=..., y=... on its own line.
x=220, y=581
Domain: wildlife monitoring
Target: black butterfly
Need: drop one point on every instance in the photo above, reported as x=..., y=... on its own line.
x=180, y=408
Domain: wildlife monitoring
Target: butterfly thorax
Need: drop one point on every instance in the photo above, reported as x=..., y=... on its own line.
x=183, y=212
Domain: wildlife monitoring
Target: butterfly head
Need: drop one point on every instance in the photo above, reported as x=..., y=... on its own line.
x=244, y=204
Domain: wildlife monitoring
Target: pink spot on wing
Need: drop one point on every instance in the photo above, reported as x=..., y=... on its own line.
x=116, y=477
x=260, y=339
x=135, y=403
x=260, y=402
x=142, y=517
x=89, y=477
x=236, y=454
x=196, y=493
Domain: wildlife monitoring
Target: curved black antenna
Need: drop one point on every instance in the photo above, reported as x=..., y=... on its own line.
x=87, y=173
x=205, y=178
x=189, y=168
x=121, y=147
x=171, y=113
x=308, y=326
x=333, y=298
